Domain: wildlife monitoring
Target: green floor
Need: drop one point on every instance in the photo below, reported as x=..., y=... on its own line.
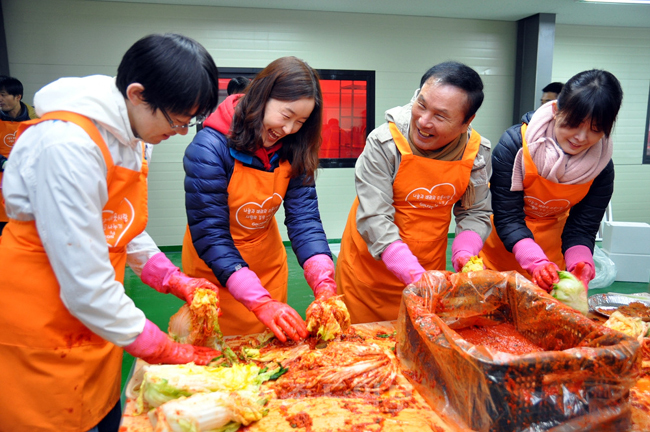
x=159, y=307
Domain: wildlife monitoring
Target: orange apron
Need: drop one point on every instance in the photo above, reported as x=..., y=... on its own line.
x=424, y=192
x=8, y=131
x=57, y=374
x=546, y=205
x=253, y=198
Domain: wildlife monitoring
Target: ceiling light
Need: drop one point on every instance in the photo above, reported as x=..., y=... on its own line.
x=618, y=1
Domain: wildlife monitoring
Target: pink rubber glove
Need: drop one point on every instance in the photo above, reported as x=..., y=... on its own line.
x=154, y=347
x=319, y=274
x=580, y=261
x=163, y=276
x=402, y=263
x=246, y=288
x=533, y=259
x=466, y=245
x=283, y=321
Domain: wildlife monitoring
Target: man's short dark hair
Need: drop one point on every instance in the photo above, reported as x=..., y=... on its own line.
x=461, y=76
x=237, y=85
x=11, y=85
x=177, y=73
x=554, y=87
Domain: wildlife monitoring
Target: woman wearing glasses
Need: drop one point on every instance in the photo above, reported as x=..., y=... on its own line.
x=76, y=194
x=256, y=152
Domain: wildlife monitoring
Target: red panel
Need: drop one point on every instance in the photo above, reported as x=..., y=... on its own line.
x=344, y=118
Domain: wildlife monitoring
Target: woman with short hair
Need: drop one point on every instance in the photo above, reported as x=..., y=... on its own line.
x=75, y=189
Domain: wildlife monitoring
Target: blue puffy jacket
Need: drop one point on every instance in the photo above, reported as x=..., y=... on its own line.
x=509, y=219
x=208, y=164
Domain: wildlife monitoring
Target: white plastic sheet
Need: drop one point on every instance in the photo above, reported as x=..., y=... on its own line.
x=605, y=270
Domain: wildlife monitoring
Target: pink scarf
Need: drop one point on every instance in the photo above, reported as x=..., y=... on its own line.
x=551, y=162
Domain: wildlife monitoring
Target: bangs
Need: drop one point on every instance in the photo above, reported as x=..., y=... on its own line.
x=195, y=91
x=177, y=73
x=587, y=105
x=593, y=95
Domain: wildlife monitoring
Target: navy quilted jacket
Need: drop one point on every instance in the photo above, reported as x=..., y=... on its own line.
x=208, y=164
x=584, y=218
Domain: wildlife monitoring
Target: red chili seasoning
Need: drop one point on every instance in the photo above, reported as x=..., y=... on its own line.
x=502, y=337
x=300, y=420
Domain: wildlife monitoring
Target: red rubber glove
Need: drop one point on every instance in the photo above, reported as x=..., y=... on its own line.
x=282, y=319
x=246, y=287
x=402, y=263
x=184, y=287
x=319, y=274
x=460, y=262
x=163, y=276
x=580, y=261
x=155, y=347
x=532, y=258
x=584, y=272
x=545, y=276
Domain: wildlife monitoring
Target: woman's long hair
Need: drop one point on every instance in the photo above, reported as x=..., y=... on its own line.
x=286, y=79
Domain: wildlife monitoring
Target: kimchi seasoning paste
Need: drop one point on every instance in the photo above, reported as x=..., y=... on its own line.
x=300, y=420
x=502, y=337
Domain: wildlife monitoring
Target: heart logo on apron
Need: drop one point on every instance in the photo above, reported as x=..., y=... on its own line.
x=438, y=196
x=10, y=139
x=253, y=215
x=539, y=208
x=117, y=222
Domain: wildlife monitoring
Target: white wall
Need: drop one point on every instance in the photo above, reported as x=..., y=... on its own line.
x=48, y=39
x=625, y=52
x=52, y=38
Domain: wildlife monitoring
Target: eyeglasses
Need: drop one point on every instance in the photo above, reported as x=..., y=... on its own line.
x=193, y=122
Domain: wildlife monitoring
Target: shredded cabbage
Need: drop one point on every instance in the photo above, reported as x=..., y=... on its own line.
x=278, y=354
x=339, y=367
x=474, y=264
x=327, y=319
x=634, y=327
x=198, y=324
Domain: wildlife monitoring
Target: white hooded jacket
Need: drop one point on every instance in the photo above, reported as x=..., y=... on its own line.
x=57, y=176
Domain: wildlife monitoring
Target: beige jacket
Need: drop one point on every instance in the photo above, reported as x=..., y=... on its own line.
x=375, y=172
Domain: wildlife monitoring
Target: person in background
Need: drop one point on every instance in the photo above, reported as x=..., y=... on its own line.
x=237, y=85
x=551, y=92
x=552, y=181
x=12, y=111
x=258, y=151
x=76, y=196
x=331, y=139
x=424, y=163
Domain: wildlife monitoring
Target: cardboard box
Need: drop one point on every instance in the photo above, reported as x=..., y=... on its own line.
x=626, y=237
x=630, y=267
